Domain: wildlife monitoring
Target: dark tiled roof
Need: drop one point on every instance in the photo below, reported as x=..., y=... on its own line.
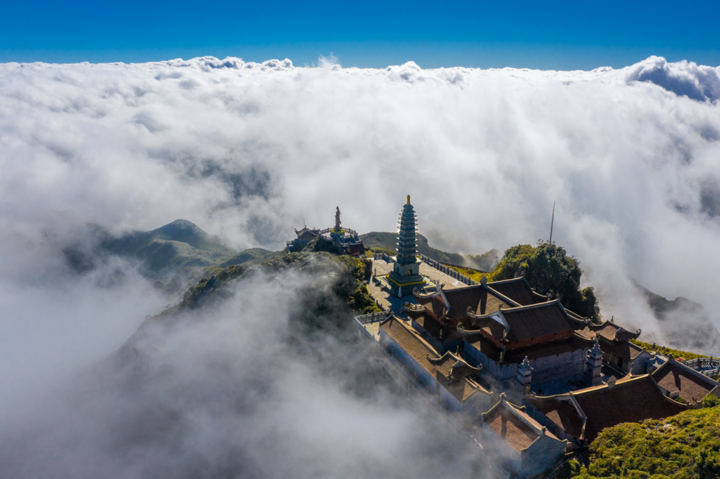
x=460, y=299
x=612, y=331
x=632, y=399
x=413, y=344
x=530, y=322
x=356, y=248
x=518, y=290
x=538, y=320
x=505, y=420
x=562, y=412
x=692, y=386
x=423, y=353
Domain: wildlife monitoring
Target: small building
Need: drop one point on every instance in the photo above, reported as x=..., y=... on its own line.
x=343, y=240
x=519, y=443
x=646, y=362
x=682, y=383
x=618, y=352
x=304, y=236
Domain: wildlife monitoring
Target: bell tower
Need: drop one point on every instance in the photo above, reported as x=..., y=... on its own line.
x=406, y=270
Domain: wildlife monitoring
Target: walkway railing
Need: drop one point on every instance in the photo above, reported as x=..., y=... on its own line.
x=347, y=231
x=448, y=271
x=384, y=257
x=373, y=317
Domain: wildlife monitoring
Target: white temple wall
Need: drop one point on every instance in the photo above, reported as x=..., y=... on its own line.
x=565, y=365
x=413, y=368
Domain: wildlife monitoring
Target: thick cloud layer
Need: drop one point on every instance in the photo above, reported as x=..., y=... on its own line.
x=248, y=151
x=234, y=390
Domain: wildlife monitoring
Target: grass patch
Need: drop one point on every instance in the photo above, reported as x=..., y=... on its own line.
x=684, y=446
x=472, y=273
x=664, y=350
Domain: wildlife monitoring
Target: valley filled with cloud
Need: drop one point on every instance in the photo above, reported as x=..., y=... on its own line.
x=250, y=151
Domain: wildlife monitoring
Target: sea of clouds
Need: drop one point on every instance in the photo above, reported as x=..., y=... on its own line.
x=249, y=151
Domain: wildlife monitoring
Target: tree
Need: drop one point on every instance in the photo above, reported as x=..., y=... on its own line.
x=549, y=270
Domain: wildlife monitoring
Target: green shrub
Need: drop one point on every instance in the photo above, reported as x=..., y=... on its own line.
x=684, y=446
x=549, y=270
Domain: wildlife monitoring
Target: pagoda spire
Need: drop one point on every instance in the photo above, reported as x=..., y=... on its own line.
x=406, y=271
x=407, y=239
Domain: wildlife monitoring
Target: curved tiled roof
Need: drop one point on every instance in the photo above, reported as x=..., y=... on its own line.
x=631, y=399
x=528, y=322
x=514, y=425
x=690, y=385
x=425, y=355
x=519, y=290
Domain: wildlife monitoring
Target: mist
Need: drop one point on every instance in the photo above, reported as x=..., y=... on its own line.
x=239, y=388
x=248, y=152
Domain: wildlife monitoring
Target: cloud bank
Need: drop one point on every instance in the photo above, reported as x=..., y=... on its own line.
x=231, y=391
x=248, y=151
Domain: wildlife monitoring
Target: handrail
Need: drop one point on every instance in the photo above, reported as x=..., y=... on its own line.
x=449, y=271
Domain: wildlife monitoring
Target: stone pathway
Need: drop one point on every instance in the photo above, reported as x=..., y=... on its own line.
x=381, y=293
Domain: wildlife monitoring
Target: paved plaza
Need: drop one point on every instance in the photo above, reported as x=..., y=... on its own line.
x=381, y=293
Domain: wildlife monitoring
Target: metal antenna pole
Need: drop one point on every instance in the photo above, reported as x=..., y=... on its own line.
x=552, y=221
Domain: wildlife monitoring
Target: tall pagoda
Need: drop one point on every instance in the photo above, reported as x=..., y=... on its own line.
x=406, y=270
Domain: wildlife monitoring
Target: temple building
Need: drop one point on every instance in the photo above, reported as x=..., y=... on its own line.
x=618, y=352
x=405, y=276
x=581, y=415
x=681, y=382
x=344, y=240
x=522, y=445
x=448, y=376
x=304, y=236
x=498, y=331
x=474, y=349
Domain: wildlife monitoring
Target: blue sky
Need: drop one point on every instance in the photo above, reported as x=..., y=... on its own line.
x=546, y=35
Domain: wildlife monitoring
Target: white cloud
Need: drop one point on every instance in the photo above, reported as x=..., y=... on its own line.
x=248, y=150
x=221, y=394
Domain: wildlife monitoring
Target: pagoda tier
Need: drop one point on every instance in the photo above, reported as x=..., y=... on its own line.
x=406, y=271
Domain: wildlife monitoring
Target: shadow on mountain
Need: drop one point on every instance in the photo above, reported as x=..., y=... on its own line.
x=173, y=256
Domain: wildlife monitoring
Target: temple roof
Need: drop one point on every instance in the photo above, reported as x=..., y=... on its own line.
x=562, y=411
x=523, y=323
x=514, y=426
x=460, y=299
x=631, y=399
x=453, y=367
x=354, y=248
x=445, y=369
x=691, y=385
x=306, y=233
x=612, y=332
x=519, y=290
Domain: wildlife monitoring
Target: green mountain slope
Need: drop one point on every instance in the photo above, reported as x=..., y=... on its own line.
x=177, y=253
x=388, y=241
x=178, y=244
